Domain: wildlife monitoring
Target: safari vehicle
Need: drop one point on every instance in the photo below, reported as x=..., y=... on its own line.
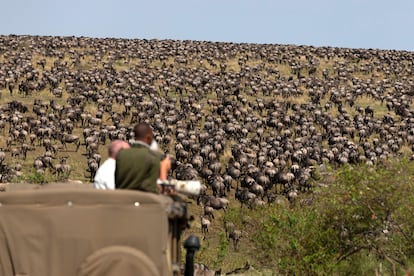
x=72, y=229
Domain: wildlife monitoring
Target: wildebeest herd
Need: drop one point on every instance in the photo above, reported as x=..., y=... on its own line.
x=253, y=120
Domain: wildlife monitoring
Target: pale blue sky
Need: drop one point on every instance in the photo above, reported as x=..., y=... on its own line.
x=339, y=23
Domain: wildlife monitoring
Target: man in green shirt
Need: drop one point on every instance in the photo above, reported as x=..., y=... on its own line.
x=139, y=167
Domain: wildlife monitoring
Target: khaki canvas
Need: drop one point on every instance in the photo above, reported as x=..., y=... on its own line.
x=64, y=230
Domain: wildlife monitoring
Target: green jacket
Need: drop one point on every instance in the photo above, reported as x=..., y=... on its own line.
x=137, y=168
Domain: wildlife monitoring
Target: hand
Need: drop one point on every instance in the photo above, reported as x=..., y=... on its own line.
x=165, y=167
x=168, y=191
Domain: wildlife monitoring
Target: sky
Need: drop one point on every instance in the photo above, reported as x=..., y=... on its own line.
x=376, y=24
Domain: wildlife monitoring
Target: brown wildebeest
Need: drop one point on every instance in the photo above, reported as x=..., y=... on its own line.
x=236, y=235
x=70, y=138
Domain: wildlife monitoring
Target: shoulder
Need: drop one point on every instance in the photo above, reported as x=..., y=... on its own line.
x=106, y=167
x=107, y=164
x=137, y=152
x=127, y=152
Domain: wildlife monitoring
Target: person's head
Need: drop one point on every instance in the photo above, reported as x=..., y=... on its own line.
x=143, y=132
x=115, y=147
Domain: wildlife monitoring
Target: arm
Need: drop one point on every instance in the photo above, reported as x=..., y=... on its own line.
x=165, y=166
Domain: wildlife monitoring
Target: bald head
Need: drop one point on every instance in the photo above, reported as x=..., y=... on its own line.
x=115, y=147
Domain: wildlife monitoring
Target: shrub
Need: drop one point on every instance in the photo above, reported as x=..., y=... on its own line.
x=35, y=178
x=360, y=224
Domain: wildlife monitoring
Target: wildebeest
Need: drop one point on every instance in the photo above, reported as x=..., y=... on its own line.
x=215, y=202
x=69, y=138
x=205, y=225
x=235, y=236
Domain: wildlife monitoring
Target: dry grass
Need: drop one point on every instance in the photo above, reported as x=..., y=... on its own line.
x=77, y=160
x=215, y=251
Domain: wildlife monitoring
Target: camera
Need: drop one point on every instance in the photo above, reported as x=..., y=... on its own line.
x=172, y=159
x=186, y=187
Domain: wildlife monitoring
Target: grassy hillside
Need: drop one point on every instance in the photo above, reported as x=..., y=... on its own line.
x=349, y=110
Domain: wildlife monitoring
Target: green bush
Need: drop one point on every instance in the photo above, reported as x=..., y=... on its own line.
x=361, y=224
x=35, y=178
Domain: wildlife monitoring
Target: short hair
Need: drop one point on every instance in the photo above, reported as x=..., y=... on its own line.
x=116, y=146
x=141, y=130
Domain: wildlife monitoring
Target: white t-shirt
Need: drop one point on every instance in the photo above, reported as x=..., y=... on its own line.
x=105, y=175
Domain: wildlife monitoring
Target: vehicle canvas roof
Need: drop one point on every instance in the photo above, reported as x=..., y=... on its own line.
x=65, y=229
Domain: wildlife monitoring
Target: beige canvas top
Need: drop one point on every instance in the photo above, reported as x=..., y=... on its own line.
x=71, y=231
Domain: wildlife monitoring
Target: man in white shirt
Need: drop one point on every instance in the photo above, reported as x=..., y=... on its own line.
x=105, y=175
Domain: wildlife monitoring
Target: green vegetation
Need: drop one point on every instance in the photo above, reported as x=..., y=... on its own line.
x=221, y=250
x=359, y=223
x=34, y=177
